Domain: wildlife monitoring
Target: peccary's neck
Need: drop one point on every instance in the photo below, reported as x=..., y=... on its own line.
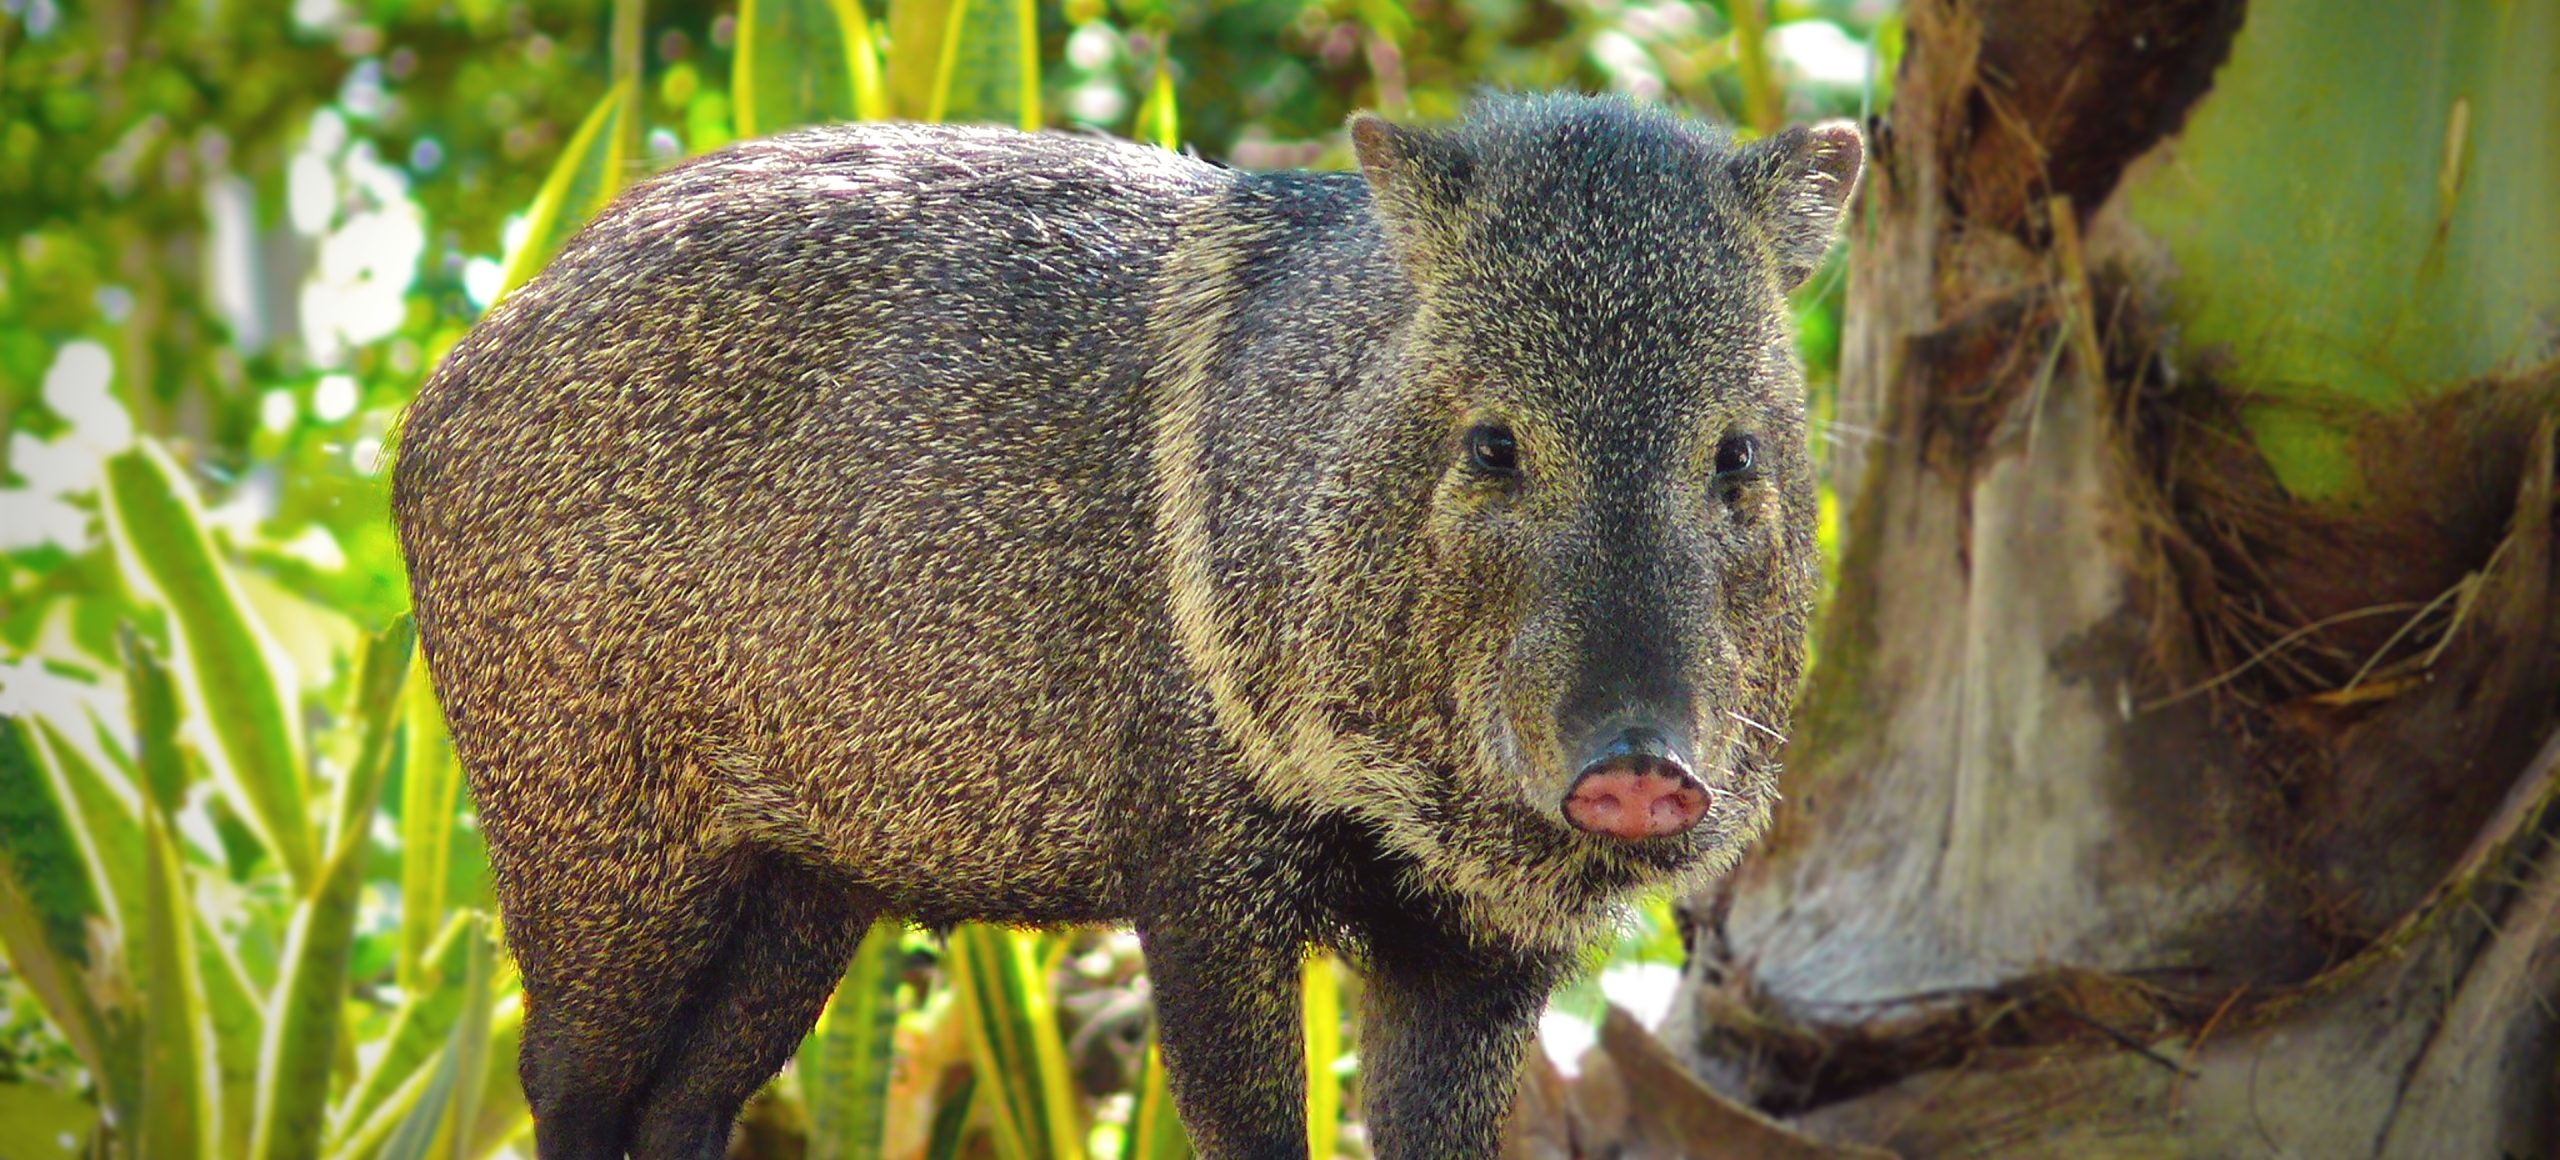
x=1283, y=443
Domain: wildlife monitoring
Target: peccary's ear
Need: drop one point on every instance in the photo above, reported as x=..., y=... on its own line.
x=1798, y=183
x=1417, y=180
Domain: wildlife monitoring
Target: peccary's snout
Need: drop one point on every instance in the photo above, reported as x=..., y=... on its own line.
x=1636, y=783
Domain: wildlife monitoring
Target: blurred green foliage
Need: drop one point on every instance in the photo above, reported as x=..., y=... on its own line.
x=243, y=902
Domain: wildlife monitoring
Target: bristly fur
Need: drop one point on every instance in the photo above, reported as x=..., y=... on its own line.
x=960, y=524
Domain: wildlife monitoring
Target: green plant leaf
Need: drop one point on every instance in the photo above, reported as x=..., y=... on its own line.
x=862, y=53
x=1013, y=1042
x=50, y=888
x=1158, y=119
x=177, y=1061
x=590, y=171
x=916, y=28
x=238, y=1016
x=503, y=1117
x=107, y=810
x=308, y=1011
x=378, y=712
x=229, y=674
x=181, y=1070
x=844, y=1063
x=804, y=62
x=990, y=64
x=40, y=1120
x=442, y=1120
x=53, y=975
x=1320, y=992
x=430, y=797
x=409, y=1040
x=363, y=1130
x=950, y=1127
x=425, y=1110
x=44, y=845
x=2361, y=214
x=1155, y=1130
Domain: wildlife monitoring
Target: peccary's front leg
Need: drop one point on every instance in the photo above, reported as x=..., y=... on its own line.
x=1227, y=1015
x=1440, y=1047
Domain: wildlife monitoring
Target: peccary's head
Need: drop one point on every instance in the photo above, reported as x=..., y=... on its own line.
x=1609, y=591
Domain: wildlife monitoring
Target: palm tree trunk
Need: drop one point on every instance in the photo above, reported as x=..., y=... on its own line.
x=2174, y=770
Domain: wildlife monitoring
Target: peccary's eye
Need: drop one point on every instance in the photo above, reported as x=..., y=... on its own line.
x=1737, y=458
x=1491, y=450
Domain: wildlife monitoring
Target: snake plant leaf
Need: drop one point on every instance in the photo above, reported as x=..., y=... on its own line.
x=1013, y=1040
x=181, y=1068
x=51, y=888
x=442, y=1120
x=990, y=64
x=1320, y=992
x=236, y=1009
x=179, y=1094
x=845, y=1062
x=587, y=175
x=107, y=808
x=916, y=28
x=1159, y=120
x=229, y=675
x=405, y=1049
x=804, y=62
x=430, y=799
x=307, y=1014
x=1155, y=1131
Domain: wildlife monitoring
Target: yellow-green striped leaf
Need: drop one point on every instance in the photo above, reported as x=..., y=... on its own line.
x=407, y=1045
x=181, y=1108
x=844, y=1063
x=1321, y=993
x=431, y=1080
x=990, y=64
x=106, y=812
x=430, y=799
x=1013, y=1041
x=179, y=1097
x=472, y=1035
x=229, y=674
x=950, y=1127
x=804, y=62
x=443, y=1118
x=503, y=1117
x=1159, y=120
x=50, y=889
x=45, y=1122
x=1155, y=1130
x=306, y=1016
x=236, y=1010
x=915, y=60
x=590, y=171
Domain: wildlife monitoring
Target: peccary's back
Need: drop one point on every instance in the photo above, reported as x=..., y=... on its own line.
x=807, y=494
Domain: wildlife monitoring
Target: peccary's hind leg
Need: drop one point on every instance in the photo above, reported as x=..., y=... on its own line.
x=612, y=905
x=785, y=947
x=606, y=961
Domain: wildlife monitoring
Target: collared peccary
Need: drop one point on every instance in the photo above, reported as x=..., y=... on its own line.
x=960, y=524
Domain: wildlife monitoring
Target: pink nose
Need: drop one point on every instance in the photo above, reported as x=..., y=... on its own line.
x=1634, y=798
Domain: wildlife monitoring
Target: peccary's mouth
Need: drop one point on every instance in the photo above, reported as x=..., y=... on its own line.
x=1638, y=787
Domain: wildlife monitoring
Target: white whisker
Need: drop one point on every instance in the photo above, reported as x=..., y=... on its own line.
x=1780, y=737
